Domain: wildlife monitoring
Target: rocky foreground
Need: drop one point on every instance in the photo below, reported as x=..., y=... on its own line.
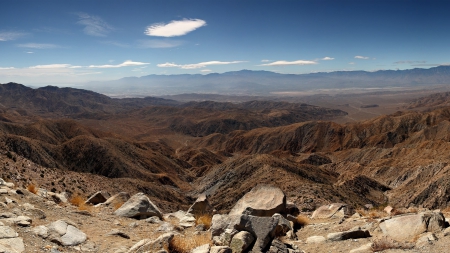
x=36, y=220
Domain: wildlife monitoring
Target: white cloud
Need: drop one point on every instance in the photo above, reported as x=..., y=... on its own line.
x=124, y=64
x=327, y=58
x=265, y=60
x=351, y=63
x=38, y=45
x=6, y=36
x=361, y=57
x=159, y=43
x=174, y=28
x=197, y=65
x=7, y=68
x=205, y=70
x=286, y=63
x=51, y=66
x=94, y=25
x=29, y=52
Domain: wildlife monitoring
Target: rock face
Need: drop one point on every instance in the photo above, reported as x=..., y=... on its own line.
x=120, y=197
x=262, y=200
x=335, y=210
x=139, y=206
x=406, y=227
x=201, y=206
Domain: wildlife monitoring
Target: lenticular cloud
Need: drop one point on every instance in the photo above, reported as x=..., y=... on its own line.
x=174, y=28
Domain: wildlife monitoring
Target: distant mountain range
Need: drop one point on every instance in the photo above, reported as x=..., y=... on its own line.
x=263, y=83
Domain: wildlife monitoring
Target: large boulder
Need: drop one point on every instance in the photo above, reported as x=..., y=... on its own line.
x=15, y=245
x=335, y=210
x=241, y=241
x=117, y=199
x=262, y=200
x=147, y=245
x=139, y=206
x=97, y=198
x=201, y=206
x=406, y=227
x=62, y=233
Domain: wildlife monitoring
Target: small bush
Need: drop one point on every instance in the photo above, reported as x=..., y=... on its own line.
x=204, y=219
x=302, y=220
x=32, y=188
x=185, y=244
x=80, y=202
x=384, y=243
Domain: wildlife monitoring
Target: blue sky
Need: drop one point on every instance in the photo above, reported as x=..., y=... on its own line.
x=67, y=42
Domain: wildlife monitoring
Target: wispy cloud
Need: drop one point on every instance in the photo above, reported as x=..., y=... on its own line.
x=29, y=52
x=115, y=43
x=287, y=63
x=351, y=63
x=206, y=70
x=327, y=58
x=38, y=45
x=265, y=60
x=196, y=65
x=159, y=43
x=362, y=57
x=6, y=36
x=410, y=62
x=174, y=28
x=7, y=68
x=55, y=66
x=94, y=25
x=124, y=64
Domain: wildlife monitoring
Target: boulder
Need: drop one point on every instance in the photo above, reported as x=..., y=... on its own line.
x=139, y=206
x=241, y=241
x=221, y=222
x=147, y=245
x=201, y=249
x=7, y=232
x=224, y=239
x=201, y=206
x=425, y=239
x=220, y=249
x=7, y=184
x=262, y=228
x=351, y=234
x=335, y=210
x=119, y=198
x=388, y=209
x=12, y=245
x=97, y=198
x=406, y=227
x=73, y=236
x=262, y=200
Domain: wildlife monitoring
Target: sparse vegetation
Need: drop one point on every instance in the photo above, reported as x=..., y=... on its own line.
x=203, y=219
x=384, y=243
x=301, y=221
x=32, y=188
x=80, y=202
x=118, y=204
x=184, y=244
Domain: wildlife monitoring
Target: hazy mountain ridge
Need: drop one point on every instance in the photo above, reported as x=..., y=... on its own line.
x=247, y=82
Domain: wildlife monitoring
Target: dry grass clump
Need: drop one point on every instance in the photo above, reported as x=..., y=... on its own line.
x=301, y=221
x=446, y=210
x=80, y=202
x=185, y=244
x=204, y=219
x=32, y=188
x=372, y=213
x=118, y=204
x=384, y=243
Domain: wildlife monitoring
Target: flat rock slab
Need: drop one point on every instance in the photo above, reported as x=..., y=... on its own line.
x=315, y=239
x=12, y=245
x=262, y=200
x=7, y=232
x=335, y=210
x=73, y=236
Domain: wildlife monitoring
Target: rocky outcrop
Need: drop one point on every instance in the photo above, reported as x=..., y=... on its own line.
x=335, y=210
x=139, y=206
x=262, y=200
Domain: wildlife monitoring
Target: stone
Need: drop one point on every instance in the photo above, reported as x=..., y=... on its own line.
x=368, y=206
x=188, y=221
x=3, y=191
x=7, y=232
x=139, y=206
x=446, y=232
x=58, y=227
x=35, y=212
x=220, y=249
x=201, y=206
x=13, y=245
x=262, y=228
x=73, y=236
x=335, y=210
x=42, y=192
x=59, y=197
x=41, y=231
x=201, y=249
x=425, y=239
x=262, y=200
x=97, y=198
x=351, y=234
x=221, y=222
x=119, y=198
x=241, y=241
x=366, y=248
x=388, y=209
x=153, y=220
x=406, y=227
x=315, y=239
x=116, y=232
x=162, y=242
x=178, y=214
x=7, y=184
x=224, y=239
x=165, y=227
x=278, y=247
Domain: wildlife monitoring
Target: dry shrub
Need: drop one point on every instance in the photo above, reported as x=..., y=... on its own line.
x=301, y=221
x=395, y=212
x=118, y=204
x=384, y=243
x=32, y=188
x=446, y=210
x=204, y=219
x=185, y=244
x=80, y=202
